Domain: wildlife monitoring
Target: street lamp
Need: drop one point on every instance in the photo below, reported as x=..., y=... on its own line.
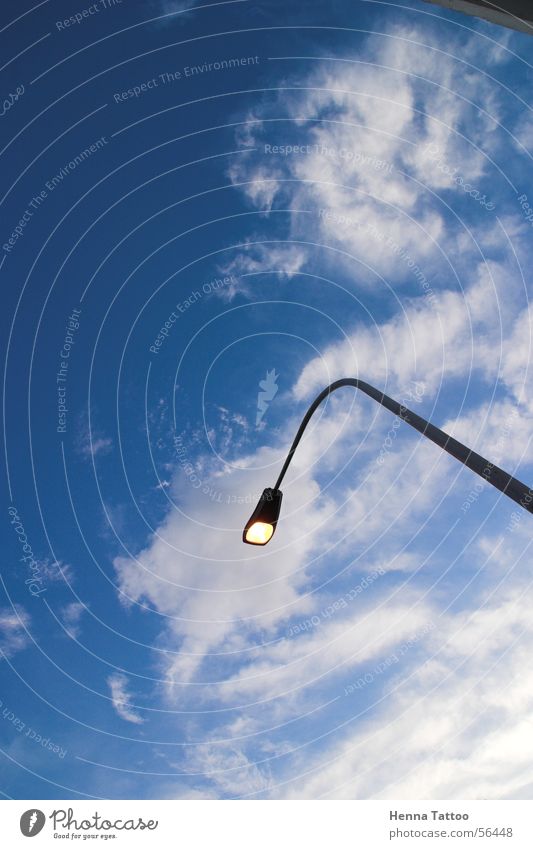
x=261, y=525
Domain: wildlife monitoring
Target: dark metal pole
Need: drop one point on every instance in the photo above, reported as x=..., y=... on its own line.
x=503, y=481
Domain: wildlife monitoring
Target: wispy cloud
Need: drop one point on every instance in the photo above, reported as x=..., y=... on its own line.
x=13, y=624
x=122, y=699
x=363, y=165
x=95, y=446
x=71, y=615
x=175, y=11
x=256, y=258
x=91, y=442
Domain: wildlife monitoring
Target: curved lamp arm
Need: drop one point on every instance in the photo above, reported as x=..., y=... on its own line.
x=503, y=481
x=262, y=523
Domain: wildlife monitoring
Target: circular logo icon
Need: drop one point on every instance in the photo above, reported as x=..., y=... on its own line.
x=32, y=822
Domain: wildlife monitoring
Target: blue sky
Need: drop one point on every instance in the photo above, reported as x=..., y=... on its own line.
x=197, y=196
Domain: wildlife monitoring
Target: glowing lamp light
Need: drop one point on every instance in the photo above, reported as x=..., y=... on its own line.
x=260, y=527
x=259, y=533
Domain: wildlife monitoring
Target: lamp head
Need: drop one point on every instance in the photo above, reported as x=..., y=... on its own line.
x=260, y=527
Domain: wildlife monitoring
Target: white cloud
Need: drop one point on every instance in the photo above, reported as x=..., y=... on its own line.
x=14, y=623
x=524, y=134
x=230, y=432
x=458, y=725
x=516, y=363
x=90, y=442
x=231, y=771
x=56, y=571
x=176, y=10
x=260, y=185
x=477, y=329
x=364, y=155
x=336, y=647
x=122, y=699
x=96, y=447
x=212, y=591
x=256, y=257
x=71, y=614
